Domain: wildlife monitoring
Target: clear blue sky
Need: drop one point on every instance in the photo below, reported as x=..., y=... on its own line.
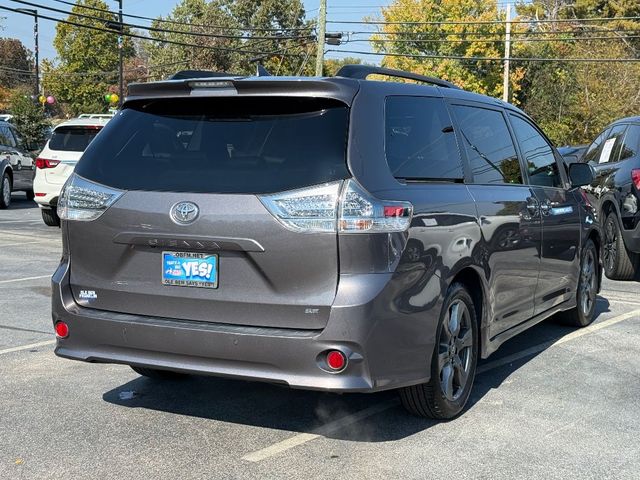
x=21, y=26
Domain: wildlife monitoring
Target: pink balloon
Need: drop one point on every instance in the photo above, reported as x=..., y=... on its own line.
x=51, y=100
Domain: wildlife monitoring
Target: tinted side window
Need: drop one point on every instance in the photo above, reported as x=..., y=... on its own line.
x=6, y=137
x=631, y=143
x=419, y=139
x=492, y=156
x=593, y=152
x=612, y=145
x=538, y=154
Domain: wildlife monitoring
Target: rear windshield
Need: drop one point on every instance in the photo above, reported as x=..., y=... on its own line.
x=221, y=145
x=73, y=139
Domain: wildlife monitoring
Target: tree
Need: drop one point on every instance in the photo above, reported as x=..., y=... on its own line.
x=573, y=101
x=232, y=37
x=17, y=62
x=332, y=65
x=28, y=117
x=404, y=39
x=87, y=62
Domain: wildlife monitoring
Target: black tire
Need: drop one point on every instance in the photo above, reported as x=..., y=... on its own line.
x=30, y=194
x=5, y=191
x=435, y=399
x=584, y=312
x=619, y=263
x=50, y=217
x=158, y=374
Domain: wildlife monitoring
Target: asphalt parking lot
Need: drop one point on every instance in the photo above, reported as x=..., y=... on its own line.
x=553, y=403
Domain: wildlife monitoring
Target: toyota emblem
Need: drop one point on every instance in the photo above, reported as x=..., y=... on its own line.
x=184, y=213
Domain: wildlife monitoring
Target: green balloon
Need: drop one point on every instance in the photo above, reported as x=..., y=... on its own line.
x=107, y=97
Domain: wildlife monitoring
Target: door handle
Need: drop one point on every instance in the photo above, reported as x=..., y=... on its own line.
x=545, y=207
x=533, y=206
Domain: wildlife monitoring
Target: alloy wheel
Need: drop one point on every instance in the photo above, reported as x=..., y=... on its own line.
x=455, y=351
x=6, y=190
x=588, y=282
x=610, y=250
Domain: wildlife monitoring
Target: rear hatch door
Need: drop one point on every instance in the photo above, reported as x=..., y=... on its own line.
x=192, y=173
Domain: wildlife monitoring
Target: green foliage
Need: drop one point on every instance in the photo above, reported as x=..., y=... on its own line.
x=331, y=66
x=87, y=61
x=28, y=117
x=225, y=19
x=573, y=101
x=14, y=55
x=445, y=40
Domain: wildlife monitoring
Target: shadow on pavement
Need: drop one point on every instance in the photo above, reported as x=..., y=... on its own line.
x=274, y=407
x=19, y=202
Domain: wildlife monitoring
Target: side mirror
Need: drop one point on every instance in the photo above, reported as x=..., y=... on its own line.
x=581, y=174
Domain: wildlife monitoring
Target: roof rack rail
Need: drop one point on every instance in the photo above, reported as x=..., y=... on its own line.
x=186, y=74
x=361, y=72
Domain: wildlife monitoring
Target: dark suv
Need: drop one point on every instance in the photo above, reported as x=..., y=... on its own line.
x=323, y=233
x=615, y=191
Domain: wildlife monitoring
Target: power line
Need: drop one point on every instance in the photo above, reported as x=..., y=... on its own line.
x=487, y=34
x=484, y=22
x=142, y=37
x=175, y=22
x=162, y=30
x=482, y=59
x=495, y=40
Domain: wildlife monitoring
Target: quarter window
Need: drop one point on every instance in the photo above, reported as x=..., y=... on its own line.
x=631, y=142
x=539, y=158
x=611, y=147
x=488, y=144
x=594, y=150
x=419, y=140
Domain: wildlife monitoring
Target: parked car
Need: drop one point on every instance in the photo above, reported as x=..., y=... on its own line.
x=58, y=159
x=572, y=154
x=336, y=234
x=16, y=165
x=615, y=192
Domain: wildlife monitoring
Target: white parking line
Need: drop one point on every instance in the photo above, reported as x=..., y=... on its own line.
x=18, y=244
x=326, y=429
x=27, y=347
x=302, y=438
x=14, y=280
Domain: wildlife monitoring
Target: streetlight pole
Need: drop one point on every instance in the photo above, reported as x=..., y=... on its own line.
x=34, y=14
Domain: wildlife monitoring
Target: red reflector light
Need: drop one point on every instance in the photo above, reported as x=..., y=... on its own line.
x=635, y=177
x=62, y=330
x=45, y=163
x=38, y=194
x=393, y=211
x=336, y=360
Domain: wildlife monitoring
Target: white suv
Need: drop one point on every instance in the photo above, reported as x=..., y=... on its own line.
x=58, y=159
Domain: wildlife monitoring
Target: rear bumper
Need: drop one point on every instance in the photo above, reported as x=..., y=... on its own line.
x=632, y=238
x=383, y=353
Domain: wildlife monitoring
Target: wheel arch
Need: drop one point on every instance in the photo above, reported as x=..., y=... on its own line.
x=472, y=280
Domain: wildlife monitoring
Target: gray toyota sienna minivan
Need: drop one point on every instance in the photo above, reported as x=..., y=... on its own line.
x=336, y=234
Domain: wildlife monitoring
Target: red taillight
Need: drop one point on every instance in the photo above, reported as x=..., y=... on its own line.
x=336, y=360
x=635, y=177
x=46, y=163
x=62, y=330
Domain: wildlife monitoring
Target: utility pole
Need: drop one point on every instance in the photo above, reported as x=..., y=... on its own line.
x=507, y=55
x=322, y=28
x=34, y=14
x=120, y=57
